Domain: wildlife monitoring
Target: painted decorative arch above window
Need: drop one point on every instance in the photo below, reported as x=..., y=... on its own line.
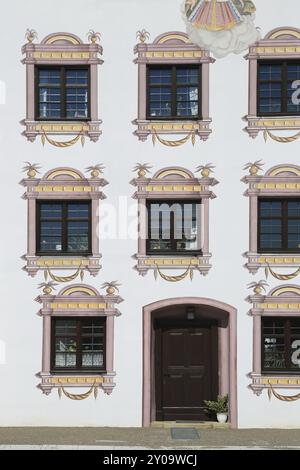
x=62, y=88
x=274, y=86
x=63, y=221
x=276, y=341
x=274, y=232
x=173, y=89
x=78, y=339
x=173, y=208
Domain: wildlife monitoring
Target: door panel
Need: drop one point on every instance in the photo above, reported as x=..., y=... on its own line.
x=186, y=373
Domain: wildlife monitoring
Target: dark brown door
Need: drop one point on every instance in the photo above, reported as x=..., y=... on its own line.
x=186, y=359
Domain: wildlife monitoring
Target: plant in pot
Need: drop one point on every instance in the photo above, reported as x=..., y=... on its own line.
x=219, y=408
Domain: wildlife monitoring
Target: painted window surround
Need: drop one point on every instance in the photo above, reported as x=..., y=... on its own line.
x=62, y=49
x=278, y=181
x=173, y=183
x=280, y=43
x=62, y=184
x=170, y=49
x=78, y=300
x=282, y=301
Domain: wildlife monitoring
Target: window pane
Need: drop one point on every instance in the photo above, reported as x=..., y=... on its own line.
x=78, y=236
x=273, y=344
x=270, y=208
x=49, y=95
x=160, y=94
x=270, y=226
x=294, y=234
x=187, y=76
x=270, y=241
x=187, y=93
x=270, y=92
x=270, y=72
x=65, y=327
x=49, y=110
x=50, y=236
x=92, y=343
x=77, y=102
x=160, y=101
x=173, y=226
x=50, y=211
x=77, y=77
x=295, y=343
x=294, y=208
x=49, y=76
x=65, y=343
x=293, y=71
x=78, y=210
x=293, y=96
x=187, y=101
x=187, y=109
x=161, y=76
x=270, y=105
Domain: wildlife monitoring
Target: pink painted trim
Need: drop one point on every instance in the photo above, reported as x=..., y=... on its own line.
x=201, y=127
x=228, y=364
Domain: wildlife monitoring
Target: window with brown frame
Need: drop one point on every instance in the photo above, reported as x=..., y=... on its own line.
x=78, y=344
x=62, y=93
x=278, y=88
x=173, y=227
x=280, y=345
x=174, y=92
x=278, y=225
x=63, y=227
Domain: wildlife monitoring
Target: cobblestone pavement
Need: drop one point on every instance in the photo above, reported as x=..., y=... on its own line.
x=146, y=438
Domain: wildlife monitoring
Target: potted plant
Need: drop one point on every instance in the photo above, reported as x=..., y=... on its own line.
x=219, y=408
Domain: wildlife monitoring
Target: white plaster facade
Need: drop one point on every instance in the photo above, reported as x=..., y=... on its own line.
x=229, y=148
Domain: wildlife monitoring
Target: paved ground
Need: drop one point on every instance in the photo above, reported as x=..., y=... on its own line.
x=147, y=438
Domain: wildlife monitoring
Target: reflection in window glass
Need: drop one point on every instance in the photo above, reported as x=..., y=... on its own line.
x=174, y=226
x=174, y=91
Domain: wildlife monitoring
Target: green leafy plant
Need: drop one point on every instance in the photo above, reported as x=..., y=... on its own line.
x=219, y=406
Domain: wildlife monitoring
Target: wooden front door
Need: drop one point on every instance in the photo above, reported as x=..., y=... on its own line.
x=186, y=371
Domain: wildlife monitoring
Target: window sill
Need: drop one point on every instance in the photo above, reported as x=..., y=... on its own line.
x=172, y=127
x=257, y=124
x=261, y=382
x=90, y=129
x=34, y=264
x=50, y=382
x=176, y=262
x=255, y=261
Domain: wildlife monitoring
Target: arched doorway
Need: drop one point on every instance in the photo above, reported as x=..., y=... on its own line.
x=189, y=354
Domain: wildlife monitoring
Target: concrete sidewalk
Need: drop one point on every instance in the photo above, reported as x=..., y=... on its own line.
x=147, y=438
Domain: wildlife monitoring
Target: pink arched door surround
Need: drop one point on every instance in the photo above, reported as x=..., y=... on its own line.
x=227, y=350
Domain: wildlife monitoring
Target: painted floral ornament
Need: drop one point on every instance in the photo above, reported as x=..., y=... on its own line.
x=221, y=26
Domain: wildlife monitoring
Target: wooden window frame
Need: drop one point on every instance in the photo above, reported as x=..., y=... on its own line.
x=63, y=87
x=284, y=63
x=284, y=218
x=64, y=221
x=174, y=85
x=287, y=349
x=172, y=252
x=78, y=368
